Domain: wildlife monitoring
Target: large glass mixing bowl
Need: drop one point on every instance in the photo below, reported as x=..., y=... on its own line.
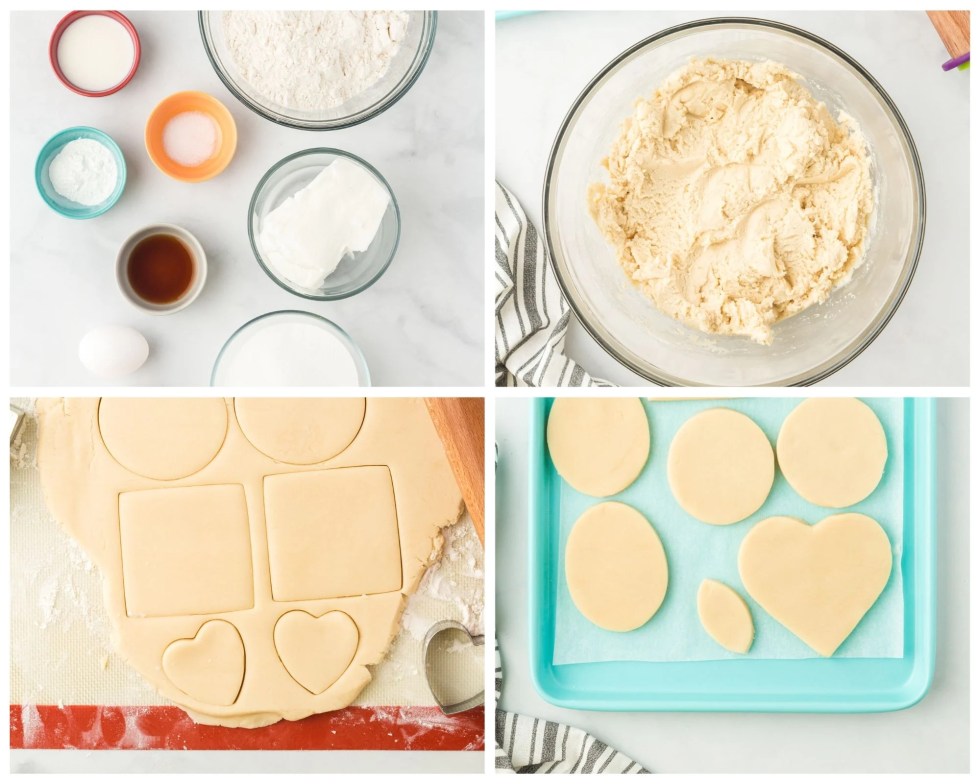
x=405, y=68
x=807, y=347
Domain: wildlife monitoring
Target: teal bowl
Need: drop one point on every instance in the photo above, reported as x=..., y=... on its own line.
x=55, y=200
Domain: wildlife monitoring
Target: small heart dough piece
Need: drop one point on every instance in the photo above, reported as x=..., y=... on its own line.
x=210, y=666
x=316, y=651
x=616, y=567
x=598, y=445
x=720, y=466
x=816, y=580
x=832, y=450
x=725, y=616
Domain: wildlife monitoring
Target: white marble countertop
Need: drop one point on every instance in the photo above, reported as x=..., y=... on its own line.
x=933, y=736
x=421, y=324
x=544, y=60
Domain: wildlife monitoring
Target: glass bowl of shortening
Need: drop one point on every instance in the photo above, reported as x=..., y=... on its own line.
x=324, y=224
x=318, y=70
x=667, y=239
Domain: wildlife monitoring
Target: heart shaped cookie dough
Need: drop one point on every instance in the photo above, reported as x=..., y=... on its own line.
x=316, y=651
x=210, y=666
x=816, y=580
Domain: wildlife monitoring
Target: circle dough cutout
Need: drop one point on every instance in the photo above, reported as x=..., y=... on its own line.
x=163, y=438
x=599, y=446
x=300, y=431
x=616, y=567
x=832, y=451
x=720, y=466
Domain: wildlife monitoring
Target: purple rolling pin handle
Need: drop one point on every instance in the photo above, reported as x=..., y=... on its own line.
x=956, y=62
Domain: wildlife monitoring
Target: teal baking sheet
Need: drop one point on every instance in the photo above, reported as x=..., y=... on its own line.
x=696, y=551
x=671, y=664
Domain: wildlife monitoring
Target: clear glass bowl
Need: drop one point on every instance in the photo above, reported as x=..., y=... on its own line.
x=55, y=200
x=405, y=68
x=356, y=271
x=222, y=374
x=807, y=347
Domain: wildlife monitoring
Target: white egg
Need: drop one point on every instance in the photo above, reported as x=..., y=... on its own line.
x=111, y=351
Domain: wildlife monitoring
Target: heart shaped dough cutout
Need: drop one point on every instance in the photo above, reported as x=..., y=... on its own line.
x=210, y=666
x=316, y=651
x=816, y=580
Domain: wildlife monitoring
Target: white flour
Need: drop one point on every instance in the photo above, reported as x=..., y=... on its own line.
x=462, y=599
x=312, y=60
x=84, y=172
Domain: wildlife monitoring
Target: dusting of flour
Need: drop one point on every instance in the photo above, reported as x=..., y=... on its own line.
x=312, y=60
x=446, y=581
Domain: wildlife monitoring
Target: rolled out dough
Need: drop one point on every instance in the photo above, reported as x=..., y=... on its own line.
x=234, y=574
x=832, y=451
x=819, y=580
x=163, y=438
x=598, y=445
x=725, y=616
x=720, y=466
x=300, y=430
x=616, y=567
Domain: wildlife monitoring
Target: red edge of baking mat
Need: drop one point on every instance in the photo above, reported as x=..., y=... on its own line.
x=98, y=727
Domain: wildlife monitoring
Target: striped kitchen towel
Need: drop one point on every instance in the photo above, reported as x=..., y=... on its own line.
x=532, y=313
x=526, y=745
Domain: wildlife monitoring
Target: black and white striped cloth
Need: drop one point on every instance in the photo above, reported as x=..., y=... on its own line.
x=526, y=745
x=532, y=313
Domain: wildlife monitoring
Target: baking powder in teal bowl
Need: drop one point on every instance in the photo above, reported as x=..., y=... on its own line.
x=80, y=172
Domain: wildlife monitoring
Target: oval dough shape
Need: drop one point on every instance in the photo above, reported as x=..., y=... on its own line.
x=616, y=567
x=816, y=580
x=725, y=616
x=163, y=438
x=720, y=466
x=832, y=451
x=300, y=431
x=598, y=445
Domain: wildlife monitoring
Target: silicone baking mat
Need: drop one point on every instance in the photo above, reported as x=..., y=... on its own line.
x=69, y=689
x=670, y=663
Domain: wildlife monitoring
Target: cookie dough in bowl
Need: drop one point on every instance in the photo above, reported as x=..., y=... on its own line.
x=735, y=198
x=784, y=241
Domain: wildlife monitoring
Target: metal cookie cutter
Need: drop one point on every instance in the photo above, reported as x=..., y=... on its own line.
x=435, y=631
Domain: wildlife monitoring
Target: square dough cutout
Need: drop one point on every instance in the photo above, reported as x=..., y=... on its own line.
x=185, y=551
x=332, y=533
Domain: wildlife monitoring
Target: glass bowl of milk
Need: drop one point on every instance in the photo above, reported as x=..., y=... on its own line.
x=324, y=224
x=94, y=53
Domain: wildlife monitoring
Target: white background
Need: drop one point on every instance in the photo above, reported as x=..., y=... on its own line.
x=419, y=325
x=541, y=68
x=545, y=60
x=932, y=736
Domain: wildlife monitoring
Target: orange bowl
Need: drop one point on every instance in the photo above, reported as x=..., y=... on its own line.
x=191, y=101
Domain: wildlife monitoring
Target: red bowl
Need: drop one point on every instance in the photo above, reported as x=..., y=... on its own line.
x=59, y=31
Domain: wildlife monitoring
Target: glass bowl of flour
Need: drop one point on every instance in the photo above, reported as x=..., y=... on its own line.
x=324, y=224
x=806, y=347
x=318, y=70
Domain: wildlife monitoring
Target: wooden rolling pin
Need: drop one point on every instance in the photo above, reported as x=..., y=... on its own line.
x=459, y=422
x=954, y=28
